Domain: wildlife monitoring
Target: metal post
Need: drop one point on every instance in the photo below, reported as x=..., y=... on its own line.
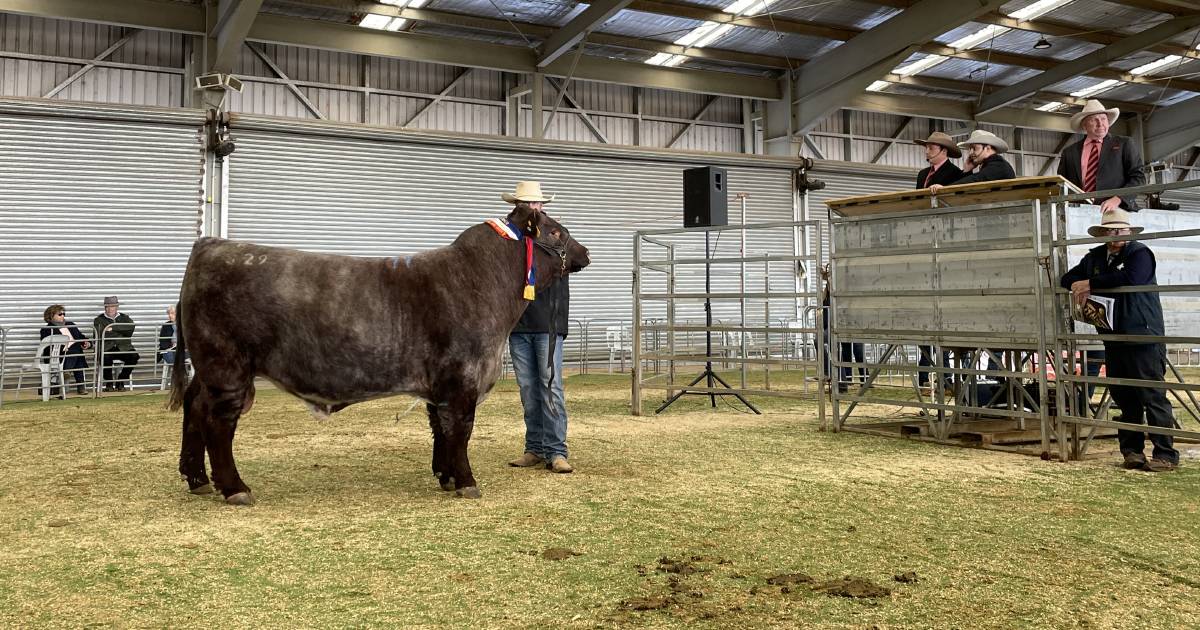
x=742, y=284
x=3, y=357
x=671, y=316
x=820, y=341
x=767, y=319
x=637, y=325
x=1059, y=255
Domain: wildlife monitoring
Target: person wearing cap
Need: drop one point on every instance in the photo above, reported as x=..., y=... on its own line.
x=1102, y=161
x=114, y=331
x=542, y=398
x=1126, y=264
x=984, y=163
x=939, y=148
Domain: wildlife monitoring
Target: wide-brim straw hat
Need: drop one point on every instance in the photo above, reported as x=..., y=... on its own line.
x=1093, y=106
x=942, y=140
x=980, y=136
x=527, y=191
x=1115, y=218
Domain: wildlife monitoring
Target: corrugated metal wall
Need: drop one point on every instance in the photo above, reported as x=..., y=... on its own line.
x=93, y=208
x=381, y=194
x=160, y=53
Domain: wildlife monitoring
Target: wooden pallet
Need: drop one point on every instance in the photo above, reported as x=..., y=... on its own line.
x=1021, y=188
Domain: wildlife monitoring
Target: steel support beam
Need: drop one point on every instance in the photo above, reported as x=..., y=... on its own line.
x=583, y=115
x=234, y=19
x=973, y=88
x=1071, y=31
x=1172, y=129
x=1170, y=7
x=962, y=110
x=815, y=105
x=266, y=59
x=87, y=67
x=695, y=119
x=1183, y=171
x=438, y=98
x=832, y=79
x=573, y=32
x=347, y=38
x=895, y=138
x=147, y=14
x=812, y=146
x=1062, y=144
x=1089, y=62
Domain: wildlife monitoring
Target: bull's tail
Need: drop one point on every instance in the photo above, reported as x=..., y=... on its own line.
x=179, y=369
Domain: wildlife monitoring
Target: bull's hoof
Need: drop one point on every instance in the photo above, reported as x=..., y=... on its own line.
x=204, y=489
x=470, y=492
x=241, y=498
x=447, y=485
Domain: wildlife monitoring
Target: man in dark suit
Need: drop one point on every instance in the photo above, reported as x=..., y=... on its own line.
x=984, y=163
x=939, y=148
x=1102, y=161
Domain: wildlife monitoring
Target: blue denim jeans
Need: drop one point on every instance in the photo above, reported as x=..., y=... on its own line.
x=545, y=423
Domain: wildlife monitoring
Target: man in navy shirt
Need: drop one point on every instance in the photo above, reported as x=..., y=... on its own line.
x=1121, y=264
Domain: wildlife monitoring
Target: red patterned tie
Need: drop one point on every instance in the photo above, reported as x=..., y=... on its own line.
x=1089, y=178
x=929, y=177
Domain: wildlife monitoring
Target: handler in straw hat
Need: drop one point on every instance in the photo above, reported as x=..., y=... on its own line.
x=939, y=148
x=1124, y=264
x=1102, y=161
x=984, y=163
x=542, y=397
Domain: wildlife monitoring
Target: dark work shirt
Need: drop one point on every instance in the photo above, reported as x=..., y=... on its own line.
x=536, y=318
x=992, y=169
x=1137, y=270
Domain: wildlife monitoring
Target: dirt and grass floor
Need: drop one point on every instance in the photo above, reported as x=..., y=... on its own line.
x=697, y=517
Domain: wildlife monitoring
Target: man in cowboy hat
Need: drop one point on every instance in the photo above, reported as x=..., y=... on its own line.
x=1102, y=161
x=114, y=329
x=542, y=397
x=984, y=163
x=939, y=148
x=1120, y=264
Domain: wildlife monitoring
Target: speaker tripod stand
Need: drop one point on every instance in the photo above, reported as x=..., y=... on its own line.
x=708, y=375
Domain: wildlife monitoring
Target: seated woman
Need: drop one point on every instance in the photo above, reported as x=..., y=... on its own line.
x=74, y=362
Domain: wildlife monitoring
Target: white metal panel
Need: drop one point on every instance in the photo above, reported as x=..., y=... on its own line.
x=90, y=208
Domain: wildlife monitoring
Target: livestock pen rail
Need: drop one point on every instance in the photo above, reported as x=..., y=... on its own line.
x=46, y=367
x=760, y=320
x=974, y=288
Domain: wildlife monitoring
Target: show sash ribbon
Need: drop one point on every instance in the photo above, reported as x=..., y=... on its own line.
x=511, y=232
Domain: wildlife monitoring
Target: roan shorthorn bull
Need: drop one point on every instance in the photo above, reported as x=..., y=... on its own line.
x=338, y=330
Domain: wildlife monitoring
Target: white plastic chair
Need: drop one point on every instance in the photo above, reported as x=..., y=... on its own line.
x=619, y=343
x=51, y=367
x=167, y=370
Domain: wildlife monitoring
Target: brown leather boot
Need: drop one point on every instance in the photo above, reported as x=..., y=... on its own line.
x=559, y=465
x=527, y=460
x=1160, y=465
x=1134, y=461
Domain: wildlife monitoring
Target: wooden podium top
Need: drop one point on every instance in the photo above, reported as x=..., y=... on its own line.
x=1028, y=188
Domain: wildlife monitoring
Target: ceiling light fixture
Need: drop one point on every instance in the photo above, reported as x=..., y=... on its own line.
x=1042, y=44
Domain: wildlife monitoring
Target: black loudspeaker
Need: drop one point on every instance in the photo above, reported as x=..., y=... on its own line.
x=705, y=197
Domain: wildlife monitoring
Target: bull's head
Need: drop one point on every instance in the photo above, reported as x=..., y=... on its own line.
x=552, y=237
